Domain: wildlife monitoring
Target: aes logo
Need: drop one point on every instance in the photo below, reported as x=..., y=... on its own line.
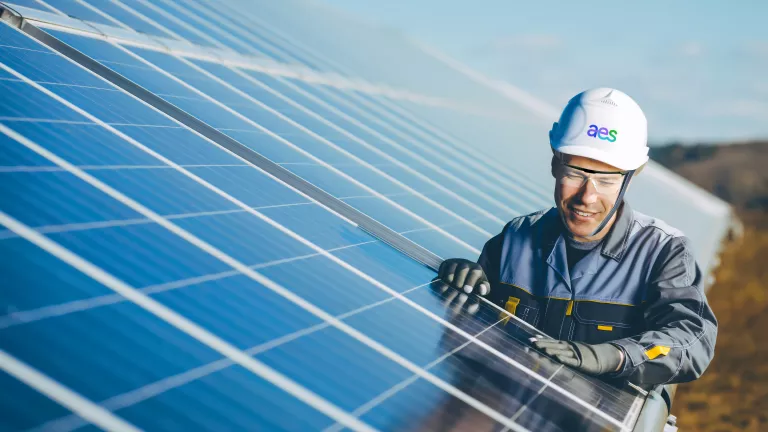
x=602, y=133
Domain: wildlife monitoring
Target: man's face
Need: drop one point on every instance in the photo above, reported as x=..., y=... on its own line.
x=584, y=207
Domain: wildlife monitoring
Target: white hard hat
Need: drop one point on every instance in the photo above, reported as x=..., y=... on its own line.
x=603, y=124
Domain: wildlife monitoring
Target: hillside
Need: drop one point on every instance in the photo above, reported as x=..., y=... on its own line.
x=733, y=393
x=737, y=173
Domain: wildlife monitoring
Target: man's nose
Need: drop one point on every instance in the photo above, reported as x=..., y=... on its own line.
x=588, y=193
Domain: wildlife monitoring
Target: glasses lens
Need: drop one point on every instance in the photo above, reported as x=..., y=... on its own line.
x=604, y=183
x=572, y=177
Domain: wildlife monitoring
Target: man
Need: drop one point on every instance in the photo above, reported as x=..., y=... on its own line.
x=618, y=291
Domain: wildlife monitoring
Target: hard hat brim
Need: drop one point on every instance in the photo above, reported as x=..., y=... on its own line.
x=623, y=162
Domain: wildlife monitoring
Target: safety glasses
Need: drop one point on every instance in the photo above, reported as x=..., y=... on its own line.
x=605, y=182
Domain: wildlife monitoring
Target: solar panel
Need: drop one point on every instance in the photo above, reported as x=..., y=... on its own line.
x=206, y=228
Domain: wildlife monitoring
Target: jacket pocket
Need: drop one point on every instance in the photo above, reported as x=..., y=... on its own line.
x=595, y=322
x=524, y=309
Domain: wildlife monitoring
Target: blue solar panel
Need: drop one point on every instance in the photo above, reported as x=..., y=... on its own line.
x=100, y=176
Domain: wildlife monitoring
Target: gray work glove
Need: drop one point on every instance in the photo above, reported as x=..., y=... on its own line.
x=593, y=359
x=464, y=275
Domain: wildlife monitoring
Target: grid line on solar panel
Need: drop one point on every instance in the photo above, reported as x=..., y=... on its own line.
x=63, y=395
x=320, y=161
x=378, y=284
x=225, y=258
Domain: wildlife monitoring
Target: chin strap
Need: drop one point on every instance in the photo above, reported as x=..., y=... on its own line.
x=616, y=205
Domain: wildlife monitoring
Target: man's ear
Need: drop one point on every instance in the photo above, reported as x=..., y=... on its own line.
x=555, y=156
x=553, y=168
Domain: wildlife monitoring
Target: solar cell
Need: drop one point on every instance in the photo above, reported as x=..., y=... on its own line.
x=170, y=275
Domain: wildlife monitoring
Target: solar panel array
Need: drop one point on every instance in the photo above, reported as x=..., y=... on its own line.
x=207, y=227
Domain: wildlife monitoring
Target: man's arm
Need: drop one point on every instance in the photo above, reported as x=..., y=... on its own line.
x=490, y=258
x=680, y=341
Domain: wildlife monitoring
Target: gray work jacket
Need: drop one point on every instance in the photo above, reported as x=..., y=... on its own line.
x=640, y=290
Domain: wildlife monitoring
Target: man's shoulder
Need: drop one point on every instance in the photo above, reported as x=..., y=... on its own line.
x=649, y=225
x=662, y=237
x=527, y=221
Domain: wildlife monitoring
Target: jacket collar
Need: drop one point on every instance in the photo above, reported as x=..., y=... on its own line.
x=614, y=243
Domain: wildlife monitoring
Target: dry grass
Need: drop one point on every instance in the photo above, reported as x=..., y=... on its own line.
x=733, y=393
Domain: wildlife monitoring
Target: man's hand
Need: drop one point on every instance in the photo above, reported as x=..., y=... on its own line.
x=464, y=275
x=593, y=359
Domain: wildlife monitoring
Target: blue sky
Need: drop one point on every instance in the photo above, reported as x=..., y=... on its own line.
x=699, y=69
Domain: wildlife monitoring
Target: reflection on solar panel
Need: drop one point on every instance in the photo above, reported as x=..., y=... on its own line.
x=206, y=226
